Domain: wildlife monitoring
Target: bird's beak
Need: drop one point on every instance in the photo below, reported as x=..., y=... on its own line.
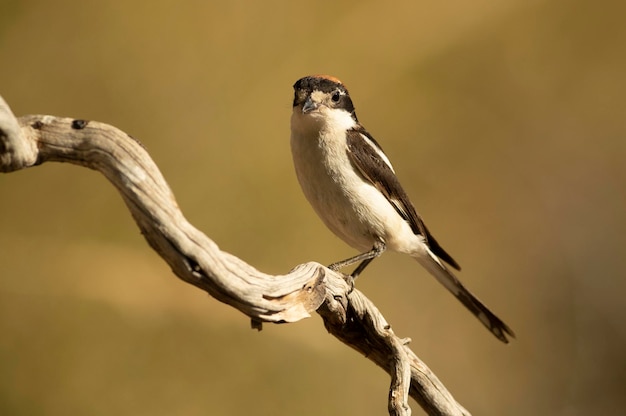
x=309, y=105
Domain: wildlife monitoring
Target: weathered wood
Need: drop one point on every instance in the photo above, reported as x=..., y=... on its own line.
x=194, y=258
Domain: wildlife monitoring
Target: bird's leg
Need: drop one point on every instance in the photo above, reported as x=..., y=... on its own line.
x=361, y=267
x=365, y=259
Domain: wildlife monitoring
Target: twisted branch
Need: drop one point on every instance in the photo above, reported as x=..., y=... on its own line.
x=194, y=258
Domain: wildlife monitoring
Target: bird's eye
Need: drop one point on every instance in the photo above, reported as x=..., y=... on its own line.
x=336, y=96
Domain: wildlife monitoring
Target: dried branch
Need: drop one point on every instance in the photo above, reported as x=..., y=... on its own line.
x=194, y=258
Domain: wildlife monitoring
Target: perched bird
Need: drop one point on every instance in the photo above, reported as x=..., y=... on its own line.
x=349, y=181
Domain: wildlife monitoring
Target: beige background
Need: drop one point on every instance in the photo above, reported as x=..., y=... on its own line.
x=504, y=120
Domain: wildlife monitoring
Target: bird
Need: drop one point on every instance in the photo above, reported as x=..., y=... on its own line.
x=352, y=186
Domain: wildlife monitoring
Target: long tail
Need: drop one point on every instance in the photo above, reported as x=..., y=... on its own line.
x=498, y=328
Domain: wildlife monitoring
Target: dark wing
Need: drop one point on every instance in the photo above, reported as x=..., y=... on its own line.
x=371, y=162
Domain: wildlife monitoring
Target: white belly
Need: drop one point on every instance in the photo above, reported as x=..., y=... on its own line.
x=350, y=207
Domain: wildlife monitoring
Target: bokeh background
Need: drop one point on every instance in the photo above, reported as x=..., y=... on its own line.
x=505, y=121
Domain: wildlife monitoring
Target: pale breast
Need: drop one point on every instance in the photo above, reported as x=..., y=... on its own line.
x=350, y=207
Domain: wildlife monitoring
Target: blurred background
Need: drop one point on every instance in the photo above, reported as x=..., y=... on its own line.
x=504, y=120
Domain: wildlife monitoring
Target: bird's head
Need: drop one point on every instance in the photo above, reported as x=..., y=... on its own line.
x=322, y=98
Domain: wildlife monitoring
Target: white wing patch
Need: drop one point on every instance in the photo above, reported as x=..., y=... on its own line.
x=377, y=150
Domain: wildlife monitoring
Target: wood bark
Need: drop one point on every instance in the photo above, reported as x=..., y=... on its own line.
x=310, y=287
